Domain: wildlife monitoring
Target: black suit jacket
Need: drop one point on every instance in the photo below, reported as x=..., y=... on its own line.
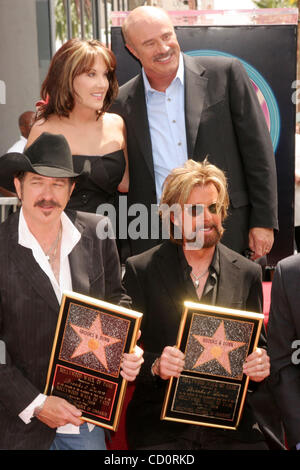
x=224, y=122
x=28, y=316
x=154, y=280
x=284, y=344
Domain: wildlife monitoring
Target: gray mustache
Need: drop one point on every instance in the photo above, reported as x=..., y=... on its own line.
x=162, y=56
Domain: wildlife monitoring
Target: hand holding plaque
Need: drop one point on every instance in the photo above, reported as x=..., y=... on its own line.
x=257, y=365
x=56, y=412
x=212, y=388
x=131, y=364
x=169, y=364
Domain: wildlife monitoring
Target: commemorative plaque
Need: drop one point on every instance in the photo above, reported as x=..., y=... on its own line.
x=90, y=339
x=211, y=389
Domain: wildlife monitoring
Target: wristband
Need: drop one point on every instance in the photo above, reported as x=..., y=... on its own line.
x=155, y=363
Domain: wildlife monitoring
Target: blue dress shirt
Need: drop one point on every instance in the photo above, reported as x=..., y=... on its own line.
x=167, y=126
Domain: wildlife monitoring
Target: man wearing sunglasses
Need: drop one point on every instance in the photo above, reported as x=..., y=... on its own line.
x=182, y=107
x=191, y=265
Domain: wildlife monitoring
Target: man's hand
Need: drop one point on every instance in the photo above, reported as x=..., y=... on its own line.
x=257, y=365
x=170, y=363
x=260, y=241
x=57, y=412
x=131, y=364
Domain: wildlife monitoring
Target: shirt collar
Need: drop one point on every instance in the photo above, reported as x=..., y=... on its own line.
x=214, y=267
x=70, y=235
x=179, y=76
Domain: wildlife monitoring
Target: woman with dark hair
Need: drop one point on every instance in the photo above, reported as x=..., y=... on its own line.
x=76, y=94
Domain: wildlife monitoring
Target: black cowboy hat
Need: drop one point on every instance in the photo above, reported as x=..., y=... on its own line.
x=49, y=155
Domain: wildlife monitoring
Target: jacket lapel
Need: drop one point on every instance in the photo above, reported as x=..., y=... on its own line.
x=168, y=270
x=80, y=259
x=137, y=112
x=230, y=275
x=29, y=269
x=195, y=89
x=170, y=273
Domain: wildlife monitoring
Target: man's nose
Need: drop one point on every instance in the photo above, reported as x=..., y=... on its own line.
x=47, y=191
x=163, y=47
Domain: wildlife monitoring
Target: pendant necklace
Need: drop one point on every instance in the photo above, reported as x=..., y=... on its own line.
x=196, y=280
x=53, y=248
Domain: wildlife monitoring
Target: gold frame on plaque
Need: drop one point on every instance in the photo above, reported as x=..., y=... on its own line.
x=211, y=389
x=90, y=339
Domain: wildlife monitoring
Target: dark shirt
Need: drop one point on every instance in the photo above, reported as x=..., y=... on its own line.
x=210, y=290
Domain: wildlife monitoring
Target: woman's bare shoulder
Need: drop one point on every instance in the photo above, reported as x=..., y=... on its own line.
x=113, y=119
x=37, y=129
x=43, y=125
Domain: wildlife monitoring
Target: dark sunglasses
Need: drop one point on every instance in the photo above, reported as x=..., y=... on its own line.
x=197, y=209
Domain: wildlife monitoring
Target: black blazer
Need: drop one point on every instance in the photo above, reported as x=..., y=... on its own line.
x=28, y=316
x=224, y=122
x=283, y=344
x=154, y=281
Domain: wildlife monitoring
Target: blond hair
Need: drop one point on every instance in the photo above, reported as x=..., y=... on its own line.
x=180, y=183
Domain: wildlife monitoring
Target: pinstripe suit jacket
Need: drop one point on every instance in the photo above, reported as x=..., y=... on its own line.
x=28, y=317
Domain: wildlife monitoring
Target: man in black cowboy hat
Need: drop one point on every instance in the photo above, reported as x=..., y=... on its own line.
x=44, y=252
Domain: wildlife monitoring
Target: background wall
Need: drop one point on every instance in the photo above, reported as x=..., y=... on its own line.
x=19, y=66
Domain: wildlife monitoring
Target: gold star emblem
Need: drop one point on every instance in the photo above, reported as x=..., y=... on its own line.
x=93, y=340
x=217, y=347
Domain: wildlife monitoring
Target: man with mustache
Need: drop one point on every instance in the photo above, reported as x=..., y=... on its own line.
x=193, y=265
x=183, y=107
x=45, y=251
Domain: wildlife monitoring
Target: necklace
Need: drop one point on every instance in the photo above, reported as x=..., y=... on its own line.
x=51, y=253
x=197, y=278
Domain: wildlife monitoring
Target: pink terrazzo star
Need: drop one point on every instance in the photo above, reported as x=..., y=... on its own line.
x=217, y=347
x=93, y=340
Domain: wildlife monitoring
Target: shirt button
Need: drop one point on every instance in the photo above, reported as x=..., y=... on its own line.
x=84, y=199
x=179, y=143
x=169, y=99
x=174, y=121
